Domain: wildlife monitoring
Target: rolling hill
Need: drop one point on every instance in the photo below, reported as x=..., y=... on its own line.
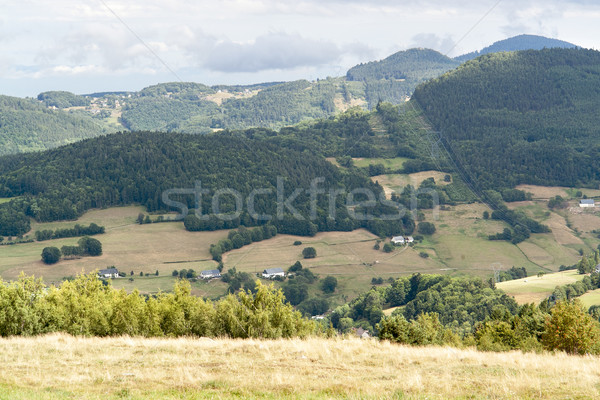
x=518, y=43
x=521, y=117
x=394, y=78
x=138, y=167
x=27, y=125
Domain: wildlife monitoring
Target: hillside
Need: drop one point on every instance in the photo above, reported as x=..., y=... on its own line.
x=517, y=43
x=27, y=125
x=394, y=78
x=196, y=108
x=60, y=367
x=137, y=168
x=524, y=117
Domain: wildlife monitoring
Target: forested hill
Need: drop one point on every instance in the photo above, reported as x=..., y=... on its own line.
x=409, y=64
x=28, y=125
x=137, y=167
x=517, y=43
x=394, y=78
x=521, y=117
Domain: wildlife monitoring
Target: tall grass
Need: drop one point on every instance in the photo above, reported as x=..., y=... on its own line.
x=59, y=366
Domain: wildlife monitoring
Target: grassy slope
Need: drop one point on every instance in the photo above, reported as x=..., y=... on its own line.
x=534, y=289
x=126, y=245
x=62, y=367
x=591, y=298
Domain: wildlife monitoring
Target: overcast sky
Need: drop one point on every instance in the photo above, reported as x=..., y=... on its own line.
x=87, y=46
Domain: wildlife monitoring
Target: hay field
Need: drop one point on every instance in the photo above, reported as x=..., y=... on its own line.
x=126, y=245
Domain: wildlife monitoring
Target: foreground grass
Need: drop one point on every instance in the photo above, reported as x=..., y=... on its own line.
x=63, y=367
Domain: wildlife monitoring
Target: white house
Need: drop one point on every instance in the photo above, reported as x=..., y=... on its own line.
x=210, y=273
x=108, y=273
x=409, y=239
x=587, y=203
x=597, y=269
x=398, y=240
x=271, y=273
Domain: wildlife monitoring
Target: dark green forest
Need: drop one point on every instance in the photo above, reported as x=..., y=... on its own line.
x=136, y=168
x=523, y=117
x=61, y=99
x=394, y=78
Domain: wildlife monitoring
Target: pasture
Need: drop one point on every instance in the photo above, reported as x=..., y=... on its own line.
x=534, y=289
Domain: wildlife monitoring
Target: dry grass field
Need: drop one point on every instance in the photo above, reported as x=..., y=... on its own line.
x=396, y=182
x=349, y=256
x=57, y=367
x=546, y=192
x=126, y=245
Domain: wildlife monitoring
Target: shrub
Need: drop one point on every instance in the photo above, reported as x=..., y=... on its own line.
x=309, y=252
x=426, y=228
x=388, y=247
x=297, y=243
x=90, y=246
x=50, y=255
x=296, y=267
x=329, y=284
x=571, y=329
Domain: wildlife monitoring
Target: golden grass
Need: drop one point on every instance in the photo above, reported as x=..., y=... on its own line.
x=546, y=192
x=349, y=256
x=63, y=367
x=585, y=222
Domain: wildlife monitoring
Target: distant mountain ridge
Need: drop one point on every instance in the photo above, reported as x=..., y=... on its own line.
x=518, y=43
x=59, y=117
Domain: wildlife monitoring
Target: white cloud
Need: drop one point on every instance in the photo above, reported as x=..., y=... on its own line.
x=271, y=51
x=432, y=41
x=258, y=40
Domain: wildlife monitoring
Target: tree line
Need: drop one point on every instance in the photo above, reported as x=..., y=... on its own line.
x=88, y=307
x=77, y=230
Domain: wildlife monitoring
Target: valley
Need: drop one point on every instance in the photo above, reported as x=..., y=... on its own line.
x=311, y=200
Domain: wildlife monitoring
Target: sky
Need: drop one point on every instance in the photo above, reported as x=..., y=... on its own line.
x=87, y=46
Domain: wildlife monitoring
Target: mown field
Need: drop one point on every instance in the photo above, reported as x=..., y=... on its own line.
x=391, y=163
x=534, y=289
x=57, y=367
x=591, y=298
x=126, y=245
